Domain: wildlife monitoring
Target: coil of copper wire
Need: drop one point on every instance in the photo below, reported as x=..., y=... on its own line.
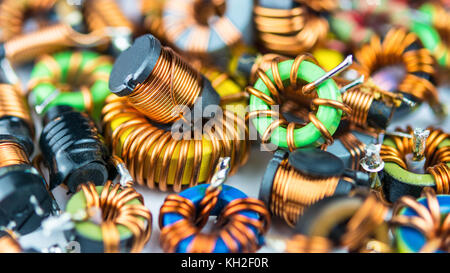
x=156, y=81
x=356, y=222
x=426, y=218
x=156, y=159
x=119, y=207
x=401, y=49
x=234, y=232
x=291, y=31
x=294, y=182
x=410, y=182
x=13, y=14
x=205, y=27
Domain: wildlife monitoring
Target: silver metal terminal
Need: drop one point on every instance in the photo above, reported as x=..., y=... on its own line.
x=125, y=178
x=419, y=143
x=221, y=173
x=40, y=107
x=410, y=103
x=372, y=162
x=343, y=65
x=354, y=83
x=398, y=134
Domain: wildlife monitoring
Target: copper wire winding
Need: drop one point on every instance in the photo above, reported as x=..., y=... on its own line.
x=48, y=40
x=376, y=55
x=197, y=13
x=354, y=146
x=115, y=211
x=13, y=103
x=366, y=219
x=102, y=14
x=279, y=89
x=289, y=32
x=231, y=227
x=78, y=76
x=436, y=159
x=12, y=153
x=172, y=82
x=13, y=14
x=428, y=220
x=292, y=192
x=143, y=135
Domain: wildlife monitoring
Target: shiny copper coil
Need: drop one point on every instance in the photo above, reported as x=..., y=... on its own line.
x=13, y=14
x=13, y=103
x=12, y=153
x=101, y=14
x=436, y=158
x=264, y=63
x=376, y=55
x=320, y=5
x=196, y=21
x=232, y=227
x=112, y=202
x=292, y=192
x=360, y=103
x=48, y=40
x=354, y=146
x=277, y=90
x=9, y=244
x=172, y=82
x=137, y=135
x=428, y=220
x=303, y=244
x=289, y=32
x=363, y=223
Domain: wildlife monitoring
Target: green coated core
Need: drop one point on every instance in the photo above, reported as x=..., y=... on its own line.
x=308, y=135
x=89, y=229
x=99, y=89
x=405, y=176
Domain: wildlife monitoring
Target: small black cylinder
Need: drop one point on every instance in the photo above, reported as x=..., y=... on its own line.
x=72, y=148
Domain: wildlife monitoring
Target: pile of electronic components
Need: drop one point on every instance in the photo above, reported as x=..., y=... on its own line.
x=175, y=100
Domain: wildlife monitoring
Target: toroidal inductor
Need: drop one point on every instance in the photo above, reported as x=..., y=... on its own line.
x=294, y=181
x=356, y=222
x=400, y=178
x=156, y=159
x=79, y=79
x=288, y=31
x=400, y=48
x=207, y=27
x=124, y=225
x=13, y=14
x=155, y=80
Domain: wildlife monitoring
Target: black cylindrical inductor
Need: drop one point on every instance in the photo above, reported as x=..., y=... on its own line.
x=24, y=199
x=72, y=149
x=298, y=179
x=155, y=79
